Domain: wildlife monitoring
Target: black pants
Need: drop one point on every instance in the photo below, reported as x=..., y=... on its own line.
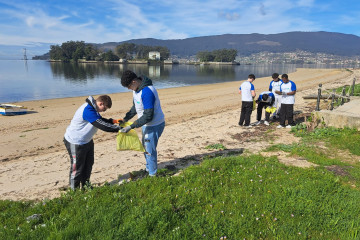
x=81, y=162
x=286, y=113
x=246, y=110
x=260, y=107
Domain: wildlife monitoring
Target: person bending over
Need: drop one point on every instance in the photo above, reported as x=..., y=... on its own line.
x=266, y=99
x=78, y=137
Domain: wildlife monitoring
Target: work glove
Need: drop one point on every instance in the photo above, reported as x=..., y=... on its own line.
x=284, y=93
x=118, y=121
x=125, y=129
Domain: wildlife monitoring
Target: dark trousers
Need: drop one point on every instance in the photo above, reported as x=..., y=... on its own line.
x=260, y=107
x=81, y=162
x=246, y=110
x=286, y=113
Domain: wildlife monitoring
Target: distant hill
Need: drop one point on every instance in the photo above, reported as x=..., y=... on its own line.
x=246, y=44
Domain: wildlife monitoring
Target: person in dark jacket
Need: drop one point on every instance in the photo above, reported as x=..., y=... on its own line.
x=266, y=99
x=78, y=137
x=146, y=104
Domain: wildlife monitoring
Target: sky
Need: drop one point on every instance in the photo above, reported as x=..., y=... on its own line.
x=36, y=24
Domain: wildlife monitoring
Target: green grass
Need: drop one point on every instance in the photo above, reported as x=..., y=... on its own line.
x=237, y=197
x=346, y=138
x=356, y=90
x=216, y=146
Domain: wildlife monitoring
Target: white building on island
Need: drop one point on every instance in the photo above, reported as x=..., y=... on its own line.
x=154, y=55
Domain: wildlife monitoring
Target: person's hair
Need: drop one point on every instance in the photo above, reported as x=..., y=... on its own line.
x=105, y=99
x=265, y=96
x=275, y=75
x=285, y=76
x=251, y=76
x=127, y=77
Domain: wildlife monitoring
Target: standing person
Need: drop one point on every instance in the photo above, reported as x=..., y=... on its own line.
x=78, y=137
x=266, y=99
x=275, y=86
x=247, y=91
x=146, y=104
x=288, y=91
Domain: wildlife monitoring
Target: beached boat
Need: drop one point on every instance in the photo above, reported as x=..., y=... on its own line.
x=11, y=109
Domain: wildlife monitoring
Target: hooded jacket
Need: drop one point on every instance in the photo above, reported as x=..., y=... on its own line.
x=146, y=104
x=85, y=123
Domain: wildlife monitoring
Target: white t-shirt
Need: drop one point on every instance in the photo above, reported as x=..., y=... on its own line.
x=246, y=88
x=149, y=98
x=81, y=131
x=288, y=87
x=275, y=86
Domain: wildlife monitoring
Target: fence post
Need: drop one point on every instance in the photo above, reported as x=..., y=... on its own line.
x=343, y=95
x=353, y=88
x=318, y=98
x=332, y=100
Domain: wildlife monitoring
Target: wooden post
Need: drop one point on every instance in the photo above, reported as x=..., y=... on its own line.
x=318, y=98
x=353, y=88
x=332, y=100
x=343, y=95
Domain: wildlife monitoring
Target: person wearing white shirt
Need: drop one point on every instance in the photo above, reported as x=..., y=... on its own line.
x=275, y=86
x=288, y=91
x=247, y=91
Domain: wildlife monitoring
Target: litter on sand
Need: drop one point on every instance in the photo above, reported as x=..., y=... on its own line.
x=270, y=109
x=129, y=140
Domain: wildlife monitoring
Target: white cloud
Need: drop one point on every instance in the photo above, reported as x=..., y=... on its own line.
x=120, y=20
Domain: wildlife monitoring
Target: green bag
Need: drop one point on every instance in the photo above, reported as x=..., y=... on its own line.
x=254, y=105
x=129, y=140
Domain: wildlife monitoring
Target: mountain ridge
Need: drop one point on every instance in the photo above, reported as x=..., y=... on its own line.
x=246, y=44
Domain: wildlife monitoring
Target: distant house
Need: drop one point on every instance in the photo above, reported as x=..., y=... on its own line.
x=154, y=55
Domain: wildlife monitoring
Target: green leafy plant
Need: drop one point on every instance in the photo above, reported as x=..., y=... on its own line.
x=217, y=146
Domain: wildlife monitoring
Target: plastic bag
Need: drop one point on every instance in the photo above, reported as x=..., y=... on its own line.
x=270, y=109
x=254, y=105
x=129, y=140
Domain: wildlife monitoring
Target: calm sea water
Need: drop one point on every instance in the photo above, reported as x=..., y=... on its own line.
x=35, y=80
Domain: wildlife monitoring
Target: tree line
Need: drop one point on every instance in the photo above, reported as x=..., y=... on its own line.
x=220, y=55
x=138, y=51
x=75, y=50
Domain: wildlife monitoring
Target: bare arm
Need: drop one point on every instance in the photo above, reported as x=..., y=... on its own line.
x=291, y=93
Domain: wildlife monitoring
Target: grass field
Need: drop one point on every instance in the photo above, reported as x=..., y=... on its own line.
x=237, y=197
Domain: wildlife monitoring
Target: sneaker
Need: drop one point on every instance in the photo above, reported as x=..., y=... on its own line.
x=257, y=123
x=288, y=126
x=280, y=126
x=248, y=126
x=266, y=123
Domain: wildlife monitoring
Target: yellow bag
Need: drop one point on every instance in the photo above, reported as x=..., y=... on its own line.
x=129, y=140
x=254, y=105
x=270, y=109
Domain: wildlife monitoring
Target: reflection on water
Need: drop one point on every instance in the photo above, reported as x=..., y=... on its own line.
x=30, y=80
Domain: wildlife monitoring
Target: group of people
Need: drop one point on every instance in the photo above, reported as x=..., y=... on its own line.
x=78, y=137
x=87, y=120
x=280, y=97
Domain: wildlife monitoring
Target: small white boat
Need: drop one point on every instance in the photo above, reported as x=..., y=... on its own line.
x=11, y=109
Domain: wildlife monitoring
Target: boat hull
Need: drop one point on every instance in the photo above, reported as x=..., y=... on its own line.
x=10, y=110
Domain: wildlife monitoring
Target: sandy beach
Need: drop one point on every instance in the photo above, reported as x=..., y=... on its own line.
x=34, y=163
